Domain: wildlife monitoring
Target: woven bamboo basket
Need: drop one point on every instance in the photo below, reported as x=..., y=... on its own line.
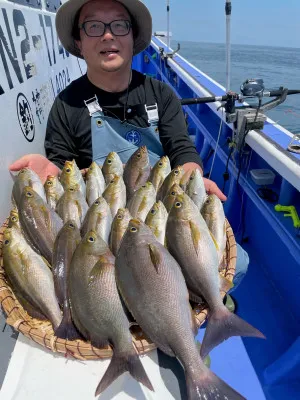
x=42, y=333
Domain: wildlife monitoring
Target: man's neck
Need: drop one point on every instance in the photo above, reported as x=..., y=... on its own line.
x=110, y=81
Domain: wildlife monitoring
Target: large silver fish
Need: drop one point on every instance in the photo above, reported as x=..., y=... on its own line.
x=118, y=228
x=196, y=189
x=27, y=177
x=115, y=194
x=136, y=171
x=141, y=201
x=97, y=309
x=39, y=221
x=95, y=183
x=64, y=246
x=71, y=175
x=191, y=244
x=174, y=177
x=72, y=205
x=159, y=172
x=214, y=216
x=30, y=274
x=157, y=221
x=99, y=219
x=54, y=190
x=112, y=166
x=154, y=290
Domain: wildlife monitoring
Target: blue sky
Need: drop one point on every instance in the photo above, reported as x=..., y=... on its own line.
x=257, y=22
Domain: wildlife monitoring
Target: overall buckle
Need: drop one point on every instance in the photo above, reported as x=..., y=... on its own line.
x=93, y=105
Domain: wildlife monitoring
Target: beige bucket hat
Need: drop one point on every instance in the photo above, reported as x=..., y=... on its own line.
x=139, y=12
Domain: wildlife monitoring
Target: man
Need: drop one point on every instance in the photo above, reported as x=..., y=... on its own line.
x=112, y=107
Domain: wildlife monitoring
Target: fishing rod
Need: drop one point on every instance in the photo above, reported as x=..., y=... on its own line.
x=228, y=9
x=246, y=117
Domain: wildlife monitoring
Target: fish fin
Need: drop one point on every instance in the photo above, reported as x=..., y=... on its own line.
x=206, y=385
x=195, y=234
x=221, y=325
x=214, y=240
x=121, y=363
x=155, y=257
x=225, y=284
x=67, y=329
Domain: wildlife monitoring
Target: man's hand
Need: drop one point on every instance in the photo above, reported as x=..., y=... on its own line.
x=210, y=186
x=38, y=163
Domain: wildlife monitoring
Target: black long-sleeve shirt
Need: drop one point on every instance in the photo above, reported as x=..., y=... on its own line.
x=68, y=134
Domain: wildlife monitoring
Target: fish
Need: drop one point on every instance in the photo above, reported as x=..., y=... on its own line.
x=174, y=177
x=157, y=221
x=154, y=290
x=39, y=222
x=98, y=310
x=14, y=219
x=184, y=180
x=136, y=171
x=196, y=189
x=194, y=248
x=65, y=244
x=71, y=175
x=99, y=219
x=141, y=201
x=214, y=216
x=54, y=190
x=118, y=228
x=170, y=197
x=27, y=177
x=30, y=275
x=95, y=183
x=115, y=194
x=72, y=205
x=112, y=166
x=159, y=172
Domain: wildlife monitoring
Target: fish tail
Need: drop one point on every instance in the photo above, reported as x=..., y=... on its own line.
x=221, y=325
x=207, y=385
x=121, y=363
x=66, y=329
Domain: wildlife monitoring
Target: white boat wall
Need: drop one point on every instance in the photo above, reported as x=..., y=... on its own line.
x=34, y=69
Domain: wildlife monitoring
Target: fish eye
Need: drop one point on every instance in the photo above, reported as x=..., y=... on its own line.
x=178, y=204
x=6, y=242
x=153, y=211
x=191, y=178
x=176, y=172
x=160, y=164
x=109, y=161
x=119, y=216
x=138, y=155
x=49, y=183
x=71, y=225
x=22, y=171
x=97, y=202
x=68, y=169
x=91, y=239
x=173, y=193
x=133, y=229
x=71, y=189
x=14, y=218
x=29, y=194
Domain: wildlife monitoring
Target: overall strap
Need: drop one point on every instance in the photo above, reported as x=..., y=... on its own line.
x=151, y=102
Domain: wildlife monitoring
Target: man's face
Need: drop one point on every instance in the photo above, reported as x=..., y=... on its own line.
x=108, y=53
